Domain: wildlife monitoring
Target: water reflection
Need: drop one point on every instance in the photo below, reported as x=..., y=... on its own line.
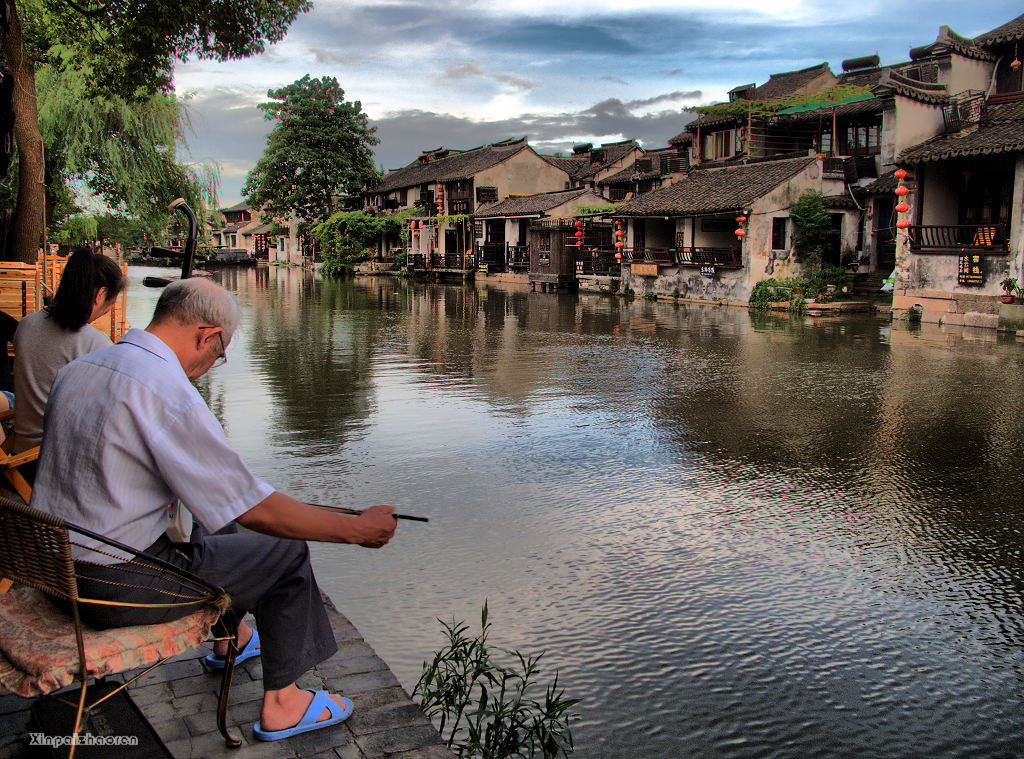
x=734, y=534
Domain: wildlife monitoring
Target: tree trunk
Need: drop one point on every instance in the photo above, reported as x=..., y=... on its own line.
x=28, y=218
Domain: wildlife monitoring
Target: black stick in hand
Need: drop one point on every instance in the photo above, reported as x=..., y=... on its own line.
x=357, y=512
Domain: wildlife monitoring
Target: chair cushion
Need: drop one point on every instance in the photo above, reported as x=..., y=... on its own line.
x=39, y=654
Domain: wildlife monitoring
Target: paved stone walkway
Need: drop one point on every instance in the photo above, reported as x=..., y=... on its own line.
x=179, y=699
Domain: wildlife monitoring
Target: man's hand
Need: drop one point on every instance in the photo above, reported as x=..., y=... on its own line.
x=376, y=526
x=279, y=515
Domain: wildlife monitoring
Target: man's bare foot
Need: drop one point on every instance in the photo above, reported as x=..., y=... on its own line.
x=220, y=647
x=284, y=708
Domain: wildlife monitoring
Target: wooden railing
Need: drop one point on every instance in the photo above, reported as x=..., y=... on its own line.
x=492, y=253
x=449, y=261
x=663, y=256
x=954, y=238
x=518, y=257
x=724, y=258
x=596, y=261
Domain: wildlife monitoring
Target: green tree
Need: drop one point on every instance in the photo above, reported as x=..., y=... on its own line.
x=812, y=227
x=131, y=46
x=319, y=148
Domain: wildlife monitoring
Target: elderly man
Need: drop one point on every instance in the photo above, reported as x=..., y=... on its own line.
x=126, y=433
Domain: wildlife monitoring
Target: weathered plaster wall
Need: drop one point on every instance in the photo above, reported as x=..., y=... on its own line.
x=967, y=74
x=914, y=123
x=1017, y=222
x=525, y=173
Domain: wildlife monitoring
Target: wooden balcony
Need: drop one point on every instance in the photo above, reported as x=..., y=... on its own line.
x=990, y=239
x=662, y=256
x=460, y=205
x=723, y=258
x=518, y=257
x=596, y=261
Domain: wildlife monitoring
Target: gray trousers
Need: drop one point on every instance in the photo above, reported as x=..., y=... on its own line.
x=270, y=577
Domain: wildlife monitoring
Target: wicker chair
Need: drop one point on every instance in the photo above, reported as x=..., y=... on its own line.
x=43, y=648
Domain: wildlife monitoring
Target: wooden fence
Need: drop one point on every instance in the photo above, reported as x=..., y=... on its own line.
x=25, y=288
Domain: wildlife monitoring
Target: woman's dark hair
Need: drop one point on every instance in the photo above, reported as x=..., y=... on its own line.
x=84, y=274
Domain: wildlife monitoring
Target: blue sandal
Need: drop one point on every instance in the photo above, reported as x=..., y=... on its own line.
x=252, y=648
x=321, y=700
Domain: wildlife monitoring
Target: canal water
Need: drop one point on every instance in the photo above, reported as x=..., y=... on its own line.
x=733, y=535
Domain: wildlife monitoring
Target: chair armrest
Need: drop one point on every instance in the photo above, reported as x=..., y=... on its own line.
x=17, y=459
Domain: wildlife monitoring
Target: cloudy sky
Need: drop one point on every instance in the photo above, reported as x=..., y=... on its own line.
x=461, y=73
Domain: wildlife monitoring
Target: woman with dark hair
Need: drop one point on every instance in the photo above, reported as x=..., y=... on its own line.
x=47, y=340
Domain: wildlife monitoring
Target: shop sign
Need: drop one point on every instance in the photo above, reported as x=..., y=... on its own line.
x=644, y=270
x=970, y=272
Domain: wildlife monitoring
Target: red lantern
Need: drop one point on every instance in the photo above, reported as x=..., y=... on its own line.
x=902, y=207
x=740, y=219
x=618, y=256
x=619, y=233
x=902, y=224
x=579, y=222
x=741, y=232
x=620, y=244
x=579, y=233
x=901, y=191
x=1015, y=64
x=900, y=173
x=579, y=243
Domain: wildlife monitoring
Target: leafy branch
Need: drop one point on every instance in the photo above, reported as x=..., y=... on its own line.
x=483, y=709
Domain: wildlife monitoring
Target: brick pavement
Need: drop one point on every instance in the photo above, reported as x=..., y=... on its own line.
x=179, y=699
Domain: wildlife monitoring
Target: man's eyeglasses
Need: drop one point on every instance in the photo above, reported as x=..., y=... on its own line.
x=223, y=357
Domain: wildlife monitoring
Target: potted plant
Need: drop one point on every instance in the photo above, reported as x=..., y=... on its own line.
x=1009, y=286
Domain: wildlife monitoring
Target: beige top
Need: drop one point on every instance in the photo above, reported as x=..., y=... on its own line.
x=41, y=348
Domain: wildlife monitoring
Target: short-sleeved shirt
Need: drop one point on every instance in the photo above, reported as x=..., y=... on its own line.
x=125, y=434
x=41, y=348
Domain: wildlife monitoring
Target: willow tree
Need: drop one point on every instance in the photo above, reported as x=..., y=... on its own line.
x=131, y=46
x=122, y=150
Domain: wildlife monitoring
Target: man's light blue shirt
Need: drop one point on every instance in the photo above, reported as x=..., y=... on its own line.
x=125, y=433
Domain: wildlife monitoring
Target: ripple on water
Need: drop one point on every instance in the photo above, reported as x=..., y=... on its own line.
x=734, y=536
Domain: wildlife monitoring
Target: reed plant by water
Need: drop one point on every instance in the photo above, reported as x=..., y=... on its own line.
x=487, y=710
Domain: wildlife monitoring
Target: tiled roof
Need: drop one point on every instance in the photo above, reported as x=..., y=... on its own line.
x=568, y=164
x=948, y=40
x=777, y=86
x=237, y=207
x=787, y=83
x=851, y=108
x=884, y=185
x=521, y=205
x=707, y=121
x=631, y=172
x=683, y=138
x=894, y=82
x=716, y=190
x=262, y=229
x=613, y=152
x=1011, y=31
x=456, y=165
x=839, y=202
x=1001, y=130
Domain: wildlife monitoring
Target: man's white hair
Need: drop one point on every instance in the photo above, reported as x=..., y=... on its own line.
x=198, y=301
